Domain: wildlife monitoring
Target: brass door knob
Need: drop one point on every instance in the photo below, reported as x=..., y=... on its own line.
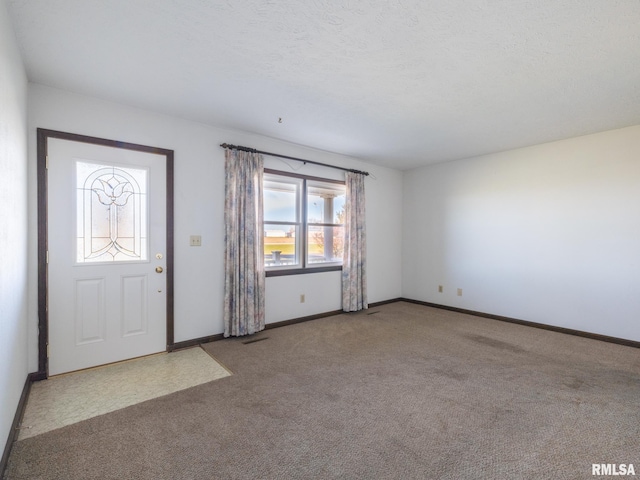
x=158, y=269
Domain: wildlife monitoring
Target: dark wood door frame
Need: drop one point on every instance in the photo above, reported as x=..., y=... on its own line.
x=43, y=318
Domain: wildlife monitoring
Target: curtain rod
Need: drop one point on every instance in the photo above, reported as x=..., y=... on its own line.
x=253, y=150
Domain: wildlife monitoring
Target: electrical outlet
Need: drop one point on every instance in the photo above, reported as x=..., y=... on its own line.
x=440, y=289
x=195, y=240
x=302, y=298
x=459, y=292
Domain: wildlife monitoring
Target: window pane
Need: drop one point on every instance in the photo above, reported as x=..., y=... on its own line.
x=325, y=244
x=281, y=200
x=281, y=245
x=325, y=202
x=111, y=212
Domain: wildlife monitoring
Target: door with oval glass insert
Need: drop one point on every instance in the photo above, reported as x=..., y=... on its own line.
x=107, y=285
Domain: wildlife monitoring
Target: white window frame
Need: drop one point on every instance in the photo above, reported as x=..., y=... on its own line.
x=302, y=265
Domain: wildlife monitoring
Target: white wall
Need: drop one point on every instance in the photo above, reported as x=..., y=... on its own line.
x=13, y=233
x=549, y=233
x=199, y=209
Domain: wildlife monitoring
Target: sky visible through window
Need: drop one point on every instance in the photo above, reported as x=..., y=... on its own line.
x=281, y=207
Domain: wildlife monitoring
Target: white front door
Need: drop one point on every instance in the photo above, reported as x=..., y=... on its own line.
x=107, y=284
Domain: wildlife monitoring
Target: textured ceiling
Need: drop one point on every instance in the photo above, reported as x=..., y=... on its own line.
x=395, y=82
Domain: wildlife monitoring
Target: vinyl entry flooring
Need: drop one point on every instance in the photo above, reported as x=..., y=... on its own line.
x=70, y=398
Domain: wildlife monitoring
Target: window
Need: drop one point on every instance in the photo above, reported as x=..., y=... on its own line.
x=303, y=223
x=111, y=213
x=282, y=221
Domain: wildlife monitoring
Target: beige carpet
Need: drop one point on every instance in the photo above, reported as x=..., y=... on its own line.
x=67, y=399
x=402, y=391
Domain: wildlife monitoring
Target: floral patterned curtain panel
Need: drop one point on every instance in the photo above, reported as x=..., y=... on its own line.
x=354, y=264
x=244, y=265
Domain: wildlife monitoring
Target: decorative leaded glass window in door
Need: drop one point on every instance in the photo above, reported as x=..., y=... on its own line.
x=111, y=213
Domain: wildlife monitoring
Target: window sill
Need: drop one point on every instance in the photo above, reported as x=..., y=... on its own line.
x=302, y=271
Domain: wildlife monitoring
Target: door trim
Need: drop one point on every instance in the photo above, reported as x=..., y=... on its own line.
x=43, y=243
